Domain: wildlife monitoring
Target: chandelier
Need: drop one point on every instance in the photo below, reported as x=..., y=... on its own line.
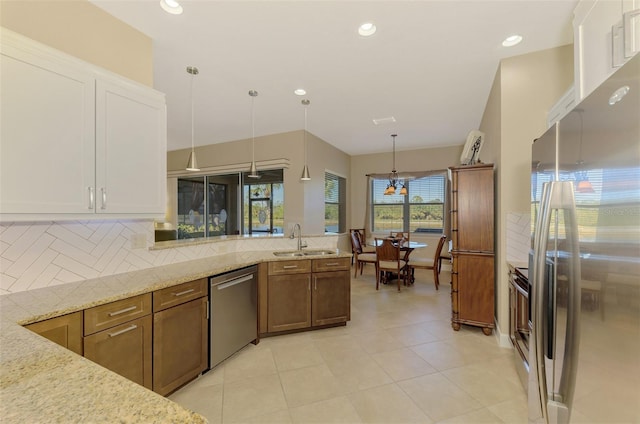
x=394, y=179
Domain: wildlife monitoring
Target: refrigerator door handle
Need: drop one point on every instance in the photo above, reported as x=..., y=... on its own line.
x=536, y=362
x=556, y=406
x=560, y=406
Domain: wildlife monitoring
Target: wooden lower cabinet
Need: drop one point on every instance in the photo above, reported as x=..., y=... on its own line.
x=289, y=302
x=305, y=294
x=180, y=345
x=65, y=331
x=124, y=349
x=331, y=298
x=472, y=291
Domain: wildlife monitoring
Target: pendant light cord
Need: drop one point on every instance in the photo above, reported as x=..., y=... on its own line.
x=253, y=130
x=305, y=135
x=192, y=118
x=394, y=154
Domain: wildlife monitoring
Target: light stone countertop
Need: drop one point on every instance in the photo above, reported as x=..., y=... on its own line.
x=43, y=382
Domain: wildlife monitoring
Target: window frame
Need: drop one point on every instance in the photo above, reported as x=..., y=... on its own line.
x=377, y=186
x=341, y=200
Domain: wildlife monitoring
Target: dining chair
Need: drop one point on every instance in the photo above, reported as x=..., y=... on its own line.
x=363, y=240
x=400, y=235
x=360, y=257
x=433, y=264
x=389, y=260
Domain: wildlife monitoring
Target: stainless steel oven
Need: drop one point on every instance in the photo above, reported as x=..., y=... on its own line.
x=520, y=320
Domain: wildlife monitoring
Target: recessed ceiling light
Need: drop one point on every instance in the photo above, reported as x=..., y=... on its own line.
x=171, y=6
x=300, y=92
x=367, y=29
x=512, y=40
x=618, y=94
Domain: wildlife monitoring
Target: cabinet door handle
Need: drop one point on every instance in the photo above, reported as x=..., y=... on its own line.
x=182, y=293
x=92, y=198
x=124, y=330
x=309, y=279
x=290, y=266
x=122, y=311
x=315, y=283
x=104, y=198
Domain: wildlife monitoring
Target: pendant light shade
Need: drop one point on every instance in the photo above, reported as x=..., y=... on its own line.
x=192, y=165
x=253, y=170
x=305, y=171
x=394, y=179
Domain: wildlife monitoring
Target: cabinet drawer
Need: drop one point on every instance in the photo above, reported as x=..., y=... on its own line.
x=124, y=349
x=176, y=295
x=333, y=264
x=114, y=313
x=289, y=267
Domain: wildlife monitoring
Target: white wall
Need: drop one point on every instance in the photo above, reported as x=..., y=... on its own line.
x=524, y=89
x=85, y=31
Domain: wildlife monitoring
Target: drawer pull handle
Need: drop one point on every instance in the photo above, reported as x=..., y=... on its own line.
x=290, y=266
x=182, y=293
x=122, y=311
x=332, y=264
x=124, y=330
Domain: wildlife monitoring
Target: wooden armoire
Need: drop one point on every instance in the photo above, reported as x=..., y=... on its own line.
x=472, y=252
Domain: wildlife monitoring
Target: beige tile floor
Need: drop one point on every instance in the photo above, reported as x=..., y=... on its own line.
x=396, y=361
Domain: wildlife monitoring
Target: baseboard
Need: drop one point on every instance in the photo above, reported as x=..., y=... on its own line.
x=502, y=339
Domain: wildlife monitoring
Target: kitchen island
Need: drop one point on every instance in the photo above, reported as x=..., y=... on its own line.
x=43, y=382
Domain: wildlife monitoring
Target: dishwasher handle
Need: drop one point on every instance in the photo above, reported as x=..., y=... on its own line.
x=230, y=283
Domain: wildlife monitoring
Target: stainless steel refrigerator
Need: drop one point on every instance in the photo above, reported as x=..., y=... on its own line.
x=584, y=353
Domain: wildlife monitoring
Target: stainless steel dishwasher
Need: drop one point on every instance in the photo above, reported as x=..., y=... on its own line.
x=234, y=313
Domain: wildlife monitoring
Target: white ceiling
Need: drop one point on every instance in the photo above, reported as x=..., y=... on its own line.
x=430, y=65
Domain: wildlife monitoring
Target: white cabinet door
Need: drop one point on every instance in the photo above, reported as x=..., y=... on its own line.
x=606, y=35
x=47, y=138
x=131, y=149
x=594, y=53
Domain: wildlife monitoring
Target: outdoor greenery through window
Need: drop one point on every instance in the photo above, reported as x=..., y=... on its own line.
x=263, y=203
x=421, y=210
x=216, y=205
x=207, y=206
x=334, y=203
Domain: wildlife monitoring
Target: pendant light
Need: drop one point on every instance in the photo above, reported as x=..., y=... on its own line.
x=253, y=170
x=305, y=171
x=394, y=179
x=192, y=165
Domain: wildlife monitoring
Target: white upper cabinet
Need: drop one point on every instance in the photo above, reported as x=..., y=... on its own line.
x=47, y=127
x=130, y=149
x=76, y=141
x=606, y=35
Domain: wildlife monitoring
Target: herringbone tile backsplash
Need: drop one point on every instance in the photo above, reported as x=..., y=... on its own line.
x=38, y=254
x=518, y=236
x=41, y=254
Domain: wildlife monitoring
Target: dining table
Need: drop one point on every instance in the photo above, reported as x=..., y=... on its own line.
x=405, y=246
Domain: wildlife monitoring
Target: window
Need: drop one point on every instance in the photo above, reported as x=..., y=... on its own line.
x=218, y=200
x=230, y=204
x=334, y=203
x=263, y=203
x=421, y=210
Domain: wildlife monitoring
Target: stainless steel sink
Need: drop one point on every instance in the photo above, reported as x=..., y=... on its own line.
x=289, y=253
x=318, y=252
x=293, y=253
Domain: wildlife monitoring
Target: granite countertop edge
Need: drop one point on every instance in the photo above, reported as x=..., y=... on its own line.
x=43, y=382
